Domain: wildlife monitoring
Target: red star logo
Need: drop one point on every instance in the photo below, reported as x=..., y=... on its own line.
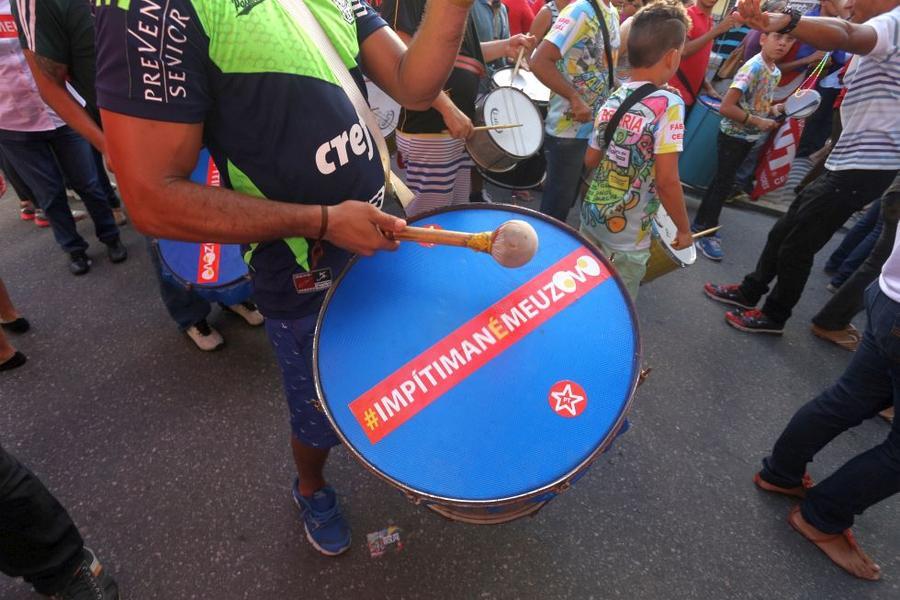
x=567, y=399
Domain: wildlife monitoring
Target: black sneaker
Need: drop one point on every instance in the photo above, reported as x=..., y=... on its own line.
x=727, y=294
x=753, y=321
x=79, y=263
x=90, y=582
x=116, y=251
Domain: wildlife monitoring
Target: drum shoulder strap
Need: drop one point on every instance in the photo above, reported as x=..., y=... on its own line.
x=632, y=99
x=607, y=43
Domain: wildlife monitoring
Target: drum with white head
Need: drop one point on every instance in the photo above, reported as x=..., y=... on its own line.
x=525, y=81
x=499, y=150
x=386, y=109
x=663, y=257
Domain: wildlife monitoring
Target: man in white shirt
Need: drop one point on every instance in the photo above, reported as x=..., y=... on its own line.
x=859, y=169
x=869, y=385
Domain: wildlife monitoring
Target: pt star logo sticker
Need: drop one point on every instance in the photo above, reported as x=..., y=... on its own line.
x=567, y=399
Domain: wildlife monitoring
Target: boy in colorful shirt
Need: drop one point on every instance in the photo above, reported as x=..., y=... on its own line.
x=746, y=111
x=573, y=62
x=641, y=160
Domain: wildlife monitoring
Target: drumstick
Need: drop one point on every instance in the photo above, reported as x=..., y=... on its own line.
x=512, y=244
x=700, y=234
x=488, y=127
x=515, y=72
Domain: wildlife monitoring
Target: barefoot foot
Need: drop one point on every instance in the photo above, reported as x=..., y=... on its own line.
x=841, y=548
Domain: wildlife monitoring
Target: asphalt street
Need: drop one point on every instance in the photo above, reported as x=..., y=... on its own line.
x=175, y=463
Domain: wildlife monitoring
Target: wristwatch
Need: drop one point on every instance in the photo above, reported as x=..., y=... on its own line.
x=795, y=15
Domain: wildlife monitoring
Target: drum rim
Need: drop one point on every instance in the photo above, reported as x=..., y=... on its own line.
x=668, y=249
x=167, y=268
x=486, y=174
x=560, y=484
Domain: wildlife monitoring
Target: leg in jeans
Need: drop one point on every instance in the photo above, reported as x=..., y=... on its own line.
x=36, y=164
x=185, y=307
x=856, y=235
x=77, y=161
x=111, y=195
x=859, y=254
x=870, y=384
x=743, y=179
x=565, y=160
x=848, y=300
x=38, y=540
x=21, y=188
x=732, y=152
x=816, y=222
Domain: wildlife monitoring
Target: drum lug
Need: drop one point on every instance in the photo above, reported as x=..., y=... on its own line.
x=563, y=487
x=643, y=375
x=413, y=498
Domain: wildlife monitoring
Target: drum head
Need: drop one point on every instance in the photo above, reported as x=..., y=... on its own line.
x=665, y=230
x=210, y=266
x=802, y=103
x=510, y=106
x=525, y=81
x=464, y=382
x=386, y=109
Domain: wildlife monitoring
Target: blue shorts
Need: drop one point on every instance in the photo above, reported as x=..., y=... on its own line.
x=292, y=340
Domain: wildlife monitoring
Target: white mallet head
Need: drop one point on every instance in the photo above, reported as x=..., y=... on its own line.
x=514, y=243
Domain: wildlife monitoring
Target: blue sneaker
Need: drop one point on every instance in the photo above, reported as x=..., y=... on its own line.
x=325, y=526
x=710, y=246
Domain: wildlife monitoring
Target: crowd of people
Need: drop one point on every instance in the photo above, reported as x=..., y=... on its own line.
x=84, y=94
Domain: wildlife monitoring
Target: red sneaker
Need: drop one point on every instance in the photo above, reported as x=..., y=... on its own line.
x=40, y=219
x=753, y=321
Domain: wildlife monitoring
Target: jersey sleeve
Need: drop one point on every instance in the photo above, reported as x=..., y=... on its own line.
x=887, y=30
x=153, y=64
x=669, y=134
x=367, y=20
x=403, y=15
x=42, y=28
x=567, y=29
x=743, y=79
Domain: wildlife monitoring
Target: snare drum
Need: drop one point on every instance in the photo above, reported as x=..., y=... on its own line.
x=478, y=390
x=663, y=257
x=499, y=150
x=386, y=109
x=216, y=272
x=526, y=81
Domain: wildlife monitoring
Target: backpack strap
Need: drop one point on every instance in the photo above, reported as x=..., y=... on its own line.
x=632, y=99
x=607, y=47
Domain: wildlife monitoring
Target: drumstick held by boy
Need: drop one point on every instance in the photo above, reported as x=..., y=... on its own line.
x=641, y=160
x=747, y=115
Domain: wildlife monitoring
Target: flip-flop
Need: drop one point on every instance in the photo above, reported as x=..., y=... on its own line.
x=827, y=538
x=847, y=338
x=797, y=492
x=14, y=362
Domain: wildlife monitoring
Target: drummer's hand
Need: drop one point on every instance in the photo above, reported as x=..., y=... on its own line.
x=581, y=112
x=683, y=239
x=763, y=124
x=777, y=109
x=525, y=41
x=357, y=226
x=752, y=15
x=458, y=124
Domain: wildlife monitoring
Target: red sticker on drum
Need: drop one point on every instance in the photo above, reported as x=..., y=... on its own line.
x=567, y=399
x=440, y=368
x=208, y=264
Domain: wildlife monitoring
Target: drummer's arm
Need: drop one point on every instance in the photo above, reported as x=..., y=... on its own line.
x=414, y=75
x=671, y=194
x=508, y=48
x=154, y=160
x=543, y=65
x=541, y=24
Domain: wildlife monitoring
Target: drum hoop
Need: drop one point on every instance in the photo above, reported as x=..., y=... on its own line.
x=560, y=484
x=219, y=285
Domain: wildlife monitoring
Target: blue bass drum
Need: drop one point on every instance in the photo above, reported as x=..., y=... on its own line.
x=697, y=163
x=478, y=390
x=216, y=272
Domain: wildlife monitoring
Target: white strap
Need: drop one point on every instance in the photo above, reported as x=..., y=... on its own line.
x=305, y=20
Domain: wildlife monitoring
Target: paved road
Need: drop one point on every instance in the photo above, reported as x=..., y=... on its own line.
x=174, y=463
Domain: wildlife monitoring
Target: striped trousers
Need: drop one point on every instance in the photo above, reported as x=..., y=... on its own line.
x=437, y=170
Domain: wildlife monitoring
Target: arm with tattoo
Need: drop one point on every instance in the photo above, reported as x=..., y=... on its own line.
x=50, y=77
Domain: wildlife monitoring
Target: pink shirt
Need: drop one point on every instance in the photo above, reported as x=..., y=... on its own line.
x=21, y=107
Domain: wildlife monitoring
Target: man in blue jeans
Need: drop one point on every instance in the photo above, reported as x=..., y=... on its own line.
x=580, y=85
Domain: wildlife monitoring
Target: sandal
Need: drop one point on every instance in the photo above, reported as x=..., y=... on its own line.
x=835, y=547
x=14, y=362
x=797, y=492
x=887, y=414
x=847, y=338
